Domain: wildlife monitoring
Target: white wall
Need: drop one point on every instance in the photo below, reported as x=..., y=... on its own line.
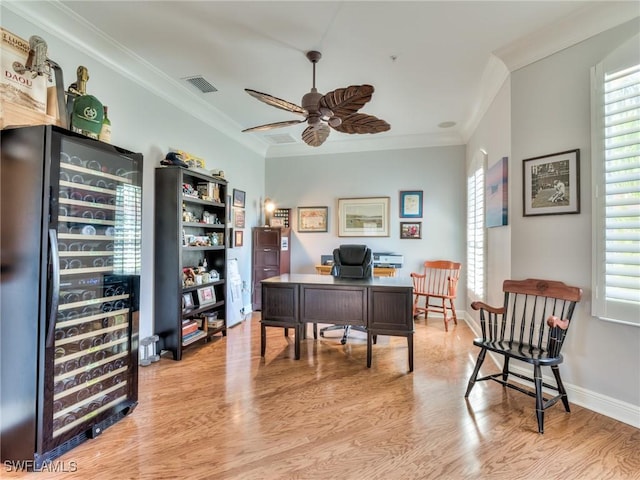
x=550, y=112
x=319, y=180
x=144, y=122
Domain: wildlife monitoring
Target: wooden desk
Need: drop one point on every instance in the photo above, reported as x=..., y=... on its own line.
x=383, y=305
x=377, y=271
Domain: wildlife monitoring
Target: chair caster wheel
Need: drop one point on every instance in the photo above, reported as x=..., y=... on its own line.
x=343, y=341
x=322, y=334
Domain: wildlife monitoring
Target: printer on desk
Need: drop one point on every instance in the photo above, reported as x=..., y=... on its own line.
x=387, y=260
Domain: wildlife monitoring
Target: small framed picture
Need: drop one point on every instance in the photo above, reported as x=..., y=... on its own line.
x=411, y=204
x=238, y=198
x=276, y=222
x=551, y=184
x=239, y=218
x=239, y=238
x=312, y=219
x=411, y=230
x=187, y=301
x=206, y=295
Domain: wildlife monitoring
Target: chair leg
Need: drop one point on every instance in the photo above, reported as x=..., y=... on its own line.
x=565, y=400
x=346, y=334
x=453, y=311
x=446, y=317
x=474, y=375
x=537, y=379
x=505, y=369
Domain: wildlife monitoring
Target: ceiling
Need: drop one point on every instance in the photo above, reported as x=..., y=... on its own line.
x=430, y=62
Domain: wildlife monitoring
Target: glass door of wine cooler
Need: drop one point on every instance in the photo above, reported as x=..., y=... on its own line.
x=91, y=362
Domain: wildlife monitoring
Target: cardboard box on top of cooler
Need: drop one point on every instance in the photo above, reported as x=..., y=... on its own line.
x=20, y=88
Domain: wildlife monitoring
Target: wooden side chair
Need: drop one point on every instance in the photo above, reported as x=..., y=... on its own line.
x=531, y=327
x=437, y=286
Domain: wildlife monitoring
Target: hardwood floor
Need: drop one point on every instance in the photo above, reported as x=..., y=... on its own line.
x=225, y=413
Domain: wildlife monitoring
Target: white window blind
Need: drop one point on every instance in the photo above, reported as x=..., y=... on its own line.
x=475, y=231
x=616, y=167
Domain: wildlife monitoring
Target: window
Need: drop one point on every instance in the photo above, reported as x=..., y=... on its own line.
x=475, y=227
x=616, y=178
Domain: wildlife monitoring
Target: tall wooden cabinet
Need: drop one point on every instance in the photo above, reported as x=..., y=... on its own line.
x=270, y=257
x=191, y=241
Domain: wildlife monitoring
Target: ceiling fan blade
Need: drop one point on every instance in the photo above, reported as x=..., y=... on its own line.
x=271, y=126
x=345, y=101
x=315, y=135
x=362, y=123
x=276, y=102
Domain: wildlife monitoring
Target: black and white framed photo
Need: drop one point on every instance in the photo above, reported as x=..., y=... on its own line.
x=551, y=184
x=187, y=301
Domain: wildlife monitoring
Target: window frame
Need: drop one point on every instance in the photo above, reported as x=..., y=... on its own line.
x=476, y=267
x=616, y=311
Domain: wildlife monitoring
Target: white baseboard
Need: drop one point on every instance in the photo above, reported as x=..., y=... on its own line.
x=603, y=404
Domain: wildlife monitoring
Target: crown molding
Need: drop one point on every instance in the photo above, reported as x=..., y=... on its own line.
x=575, y=28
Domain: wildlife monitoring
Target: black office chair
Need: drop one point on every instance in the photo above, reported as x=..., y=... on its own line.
x=350, y=261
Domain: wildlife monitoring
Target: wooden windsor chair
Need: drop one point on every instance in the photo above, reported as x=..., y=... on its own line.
x=437, y=286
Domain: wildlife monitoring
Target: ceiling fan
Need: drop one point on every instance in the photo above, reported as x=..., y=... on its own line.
x=337, y=109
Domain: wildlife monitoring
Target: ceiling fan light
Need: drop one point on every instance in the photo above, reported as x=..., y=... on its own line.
x=335, y=122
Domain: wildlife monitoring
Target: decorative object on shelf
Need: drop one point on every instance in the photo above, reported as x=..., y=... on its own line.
x=363, y=217
x=497, y=194
x=281, y=217
x=312, y=219
x=206, y=296
x=239, y=238
x=551, y=184
x=87, y=116
x=105, y=131
x=410, y=230
x=337, y=109
x=173, y=158
x=23, y=87
x=411, y=204
x=187, y=301
x=239, y=218
x=238, y=198
x=191, y=161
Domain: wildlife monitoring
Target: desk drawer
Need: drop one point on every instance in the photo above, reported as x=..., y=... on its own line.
x=339, y=306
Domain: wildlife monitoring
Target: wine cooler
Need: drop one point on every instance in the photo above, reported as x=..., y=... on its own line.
x=69, y=291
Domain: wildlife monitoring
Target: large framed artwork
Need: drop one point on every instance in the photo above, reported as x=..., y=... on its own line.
x=312, y=219
x=411, y=204
x=497, y=194
x=363, y=217
x=551, y=184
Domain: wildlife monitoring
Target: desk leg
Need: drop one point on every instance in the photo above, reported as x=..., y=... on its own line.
x=410, y=345
x=263, y=339
x=298, y=334
x=369, y=348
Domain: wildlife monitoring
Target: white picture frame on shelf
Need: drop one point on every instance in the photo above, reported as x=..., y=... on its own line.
x=206, y=296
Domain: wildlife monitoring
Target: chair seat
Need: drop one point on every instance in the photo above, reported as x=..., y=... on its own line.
x=519, y=351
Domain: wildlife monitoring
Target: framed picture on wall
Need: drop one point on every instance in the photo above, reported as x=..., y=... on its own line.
x=239, y=218
x=410, y=230
x=312, y=219
x=411, y=204
x=363, y=217
x=238, y=198
x=551, y=184
x=239, y=238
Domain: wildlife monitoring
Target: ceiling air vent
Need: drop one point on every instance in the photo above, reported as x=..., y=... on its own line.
x=280, y=138
x=201, y=84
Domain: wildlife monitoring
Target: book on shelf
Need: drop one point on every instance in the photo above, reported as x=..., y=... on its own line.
x=189, y=326
x=192, y=336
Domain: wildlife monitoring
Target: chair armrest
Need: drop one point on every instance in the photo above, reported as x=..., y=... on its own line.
x=418, y=275
x=488, y=308
x=554, y=321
